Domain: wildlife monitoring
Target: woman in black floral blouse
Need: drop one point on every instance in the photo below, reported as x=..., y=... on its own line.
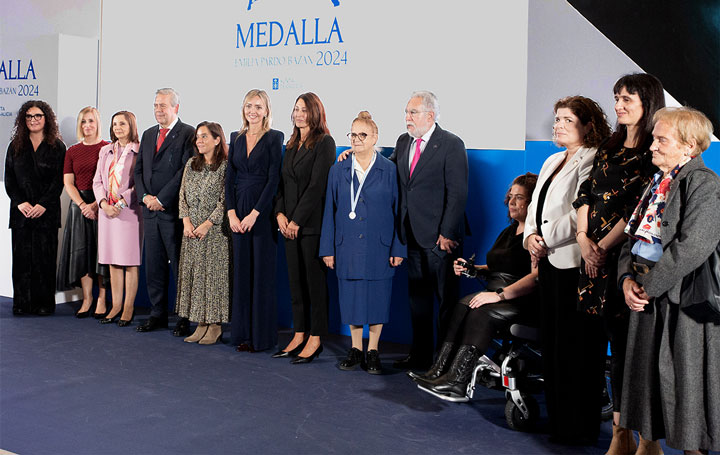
x=621, y=170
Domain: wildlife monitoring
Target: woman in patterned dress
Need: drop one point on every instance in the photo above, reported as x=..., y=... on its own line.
x=204, y=279
x=120, y=225
x=621, y=169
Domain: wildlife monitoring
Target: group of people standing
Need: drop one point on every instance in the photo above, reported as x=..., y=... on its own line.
x=597, y=246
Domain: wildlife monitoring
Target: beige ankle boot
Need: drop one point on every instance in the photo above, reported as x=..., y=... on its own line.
x=648, y=447
x=213, y=334
x=623, y=442
x=199, y=333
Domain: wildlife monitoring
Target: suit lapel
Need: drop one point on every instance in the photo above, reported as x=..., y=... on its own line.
x=172, y=134
x=569, y=167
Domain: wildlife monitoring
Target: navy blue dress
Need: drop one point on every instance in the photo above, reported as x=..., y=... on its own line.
x=363, y=246
x=251, y=183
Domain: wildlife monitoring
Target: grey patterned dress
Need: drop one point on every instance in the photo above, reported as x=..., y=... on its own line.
x=204, y=272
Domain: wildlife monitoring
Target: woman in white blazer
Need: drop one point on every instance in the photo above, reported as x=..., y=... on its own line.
x=573, y=405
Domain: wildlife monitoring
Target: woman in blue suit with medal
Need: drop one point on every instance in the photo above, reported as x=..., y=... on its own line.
x=359, y=239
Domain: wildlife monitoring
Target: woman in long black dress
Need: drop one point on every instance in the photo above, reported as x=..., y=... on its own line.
x=253, y=174
x=78, y=255
x=621, y=169
x=309, y=154
x=34, y=181
x=477, y=317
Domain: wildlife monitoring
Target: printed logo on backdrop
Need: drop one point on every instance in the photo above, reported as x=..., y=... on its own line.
x=17, y=80
x=271, y=38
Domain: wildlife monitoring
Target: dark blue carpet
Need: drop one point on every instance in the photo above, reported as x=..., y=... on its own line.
x=71, y=386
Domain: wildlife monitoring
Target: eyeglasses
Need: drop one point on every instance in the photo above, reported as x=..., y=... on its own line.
x=360, y=136
x=35, y=117
x=413, y=112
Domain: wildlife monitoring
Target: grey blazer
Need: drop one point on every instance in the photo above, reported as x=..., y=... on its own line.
x=690, y=231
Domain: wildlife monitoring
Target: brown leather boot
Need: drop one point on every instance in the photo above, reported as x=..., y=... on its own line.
x=623, y=442
x=198, y=334
x=648, y=447
x=213, y=334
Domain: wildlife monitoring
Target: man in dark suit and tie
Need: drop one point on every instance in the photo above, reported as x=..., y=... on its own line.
x=164, y=150
x=432, y=171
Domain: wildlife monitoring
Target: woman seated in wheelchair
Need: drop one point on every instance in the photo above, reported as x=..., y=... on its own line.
x=478, y=317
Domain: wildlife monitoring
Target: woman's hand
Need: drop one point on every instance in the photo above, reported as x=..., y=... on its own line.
x=201, y=231
x=89, y=211
x=395, y=261
x=343, y=156
x=457, y=268
x=537, y=247
x=329, y=261
x=248, y=222
x=110, y=210
x=188, y=228
x=25, y=208
x=234, y=222
x=36, y=212
x=292, y=230
x=593, y=255
x=282, y=223
x=484, y=298
x=635, y=296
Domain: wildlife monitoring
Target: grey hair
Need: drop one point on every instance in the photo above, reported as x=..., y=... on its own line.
x=429, y=101
x=174, y=97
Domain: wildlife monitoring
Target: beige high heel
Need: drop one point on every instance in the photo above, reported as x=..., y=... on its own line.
x=213, y=334
x=199, y=333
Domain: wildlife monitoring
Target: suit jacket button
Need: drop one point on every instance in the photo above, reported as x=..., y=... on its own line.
x=360, y=236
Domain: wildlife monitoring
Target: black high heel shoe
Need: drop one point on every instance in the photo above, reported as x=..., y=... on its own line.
x=110, y=320
x=124, y=323
x=292, y=352
x=298, y=360
x=83, y=314
x=101, y=315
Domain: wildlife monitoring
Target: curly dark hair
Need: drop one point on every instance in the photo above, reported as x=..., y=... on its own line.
x=21, y=135
x=589, y=112
x=527, y=181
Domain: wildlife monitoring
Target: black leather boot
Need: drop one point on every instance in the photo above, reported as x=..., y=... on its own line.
x=438, y=368
x=455, y=381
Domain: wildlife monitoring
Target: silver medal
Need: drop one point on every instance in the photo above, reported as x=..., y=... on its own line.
x=351, y=215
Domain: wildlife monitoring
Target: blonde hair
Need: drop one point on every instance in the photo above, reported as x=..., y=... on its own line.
x=78, y=132
x=267, y=121
x=689, y=125
x=366, y=118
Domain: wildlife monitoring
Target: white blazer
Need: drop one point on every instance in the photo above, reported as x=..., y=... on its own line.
x=559, y=222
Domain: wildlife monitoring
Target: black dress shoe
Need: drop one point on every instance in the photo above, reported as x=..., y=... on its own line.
x=354, y=358
x=18, y=311
x=291, y=352
x=410, y=363
x=151, y=324
x=297, y=360
x=373, y=362
x=110, y=320
x=182, y=328
x=44, y=312
x=245, y=347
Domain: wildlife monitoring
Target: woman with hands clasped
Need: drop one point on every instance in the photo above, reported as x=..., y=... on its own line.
x=359, y=240
x=120, y=223
x=253, y=174
x=204, y=273
x=299, y=209
x=477, y=317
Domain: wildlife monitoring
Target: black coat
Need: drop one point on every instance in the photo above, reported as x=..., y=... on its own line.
x=301, y=194
x=160, y=174
x=35, y=177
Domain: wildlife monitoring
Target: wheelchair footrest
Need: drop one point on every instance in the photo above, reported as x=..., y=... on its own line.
x=445, y=397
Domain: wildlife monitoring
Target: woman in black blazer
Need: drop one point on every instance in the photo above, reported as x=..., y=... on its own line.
x=34, y=181
x=309, y=154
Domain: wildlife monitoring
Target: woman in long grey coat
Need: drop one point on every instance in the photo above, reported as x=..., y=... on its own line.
x=672, y=368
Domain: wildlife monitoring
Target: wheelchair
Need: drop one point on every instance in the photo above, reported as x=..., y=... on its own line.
x=515, y=368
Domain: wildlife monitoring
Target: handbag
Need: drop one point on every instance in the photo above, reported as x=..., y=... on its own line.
x=700, y=290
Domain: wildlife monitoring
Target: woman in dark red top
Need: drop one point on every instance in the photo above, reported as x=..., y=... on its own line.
x=78, y=260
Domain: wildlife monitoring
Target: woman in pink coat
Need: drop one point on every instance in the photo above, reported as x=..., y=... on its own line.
x=120, y=232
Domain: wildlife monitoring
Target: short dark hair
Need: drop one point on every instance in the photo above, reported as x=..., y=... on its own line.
x=219, y=154
x=527, y=181
x=652, y=95
x=588, y=112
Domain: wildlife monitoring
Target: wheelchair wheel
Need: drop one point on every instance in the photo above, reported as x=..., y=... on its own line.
x=515, y=418
x=607, y=402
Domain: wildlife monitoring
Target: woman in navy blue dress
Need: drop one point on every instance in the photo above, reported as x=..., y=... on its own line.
x=359, y=239
x=253, y=174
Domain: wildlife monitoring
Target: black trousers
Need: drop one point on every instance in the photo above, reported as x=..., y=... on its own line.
x=34, y=251
x=478, y=326
x=430, y=277
x=307, y=276
x=573, y=358
x=162, y=253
